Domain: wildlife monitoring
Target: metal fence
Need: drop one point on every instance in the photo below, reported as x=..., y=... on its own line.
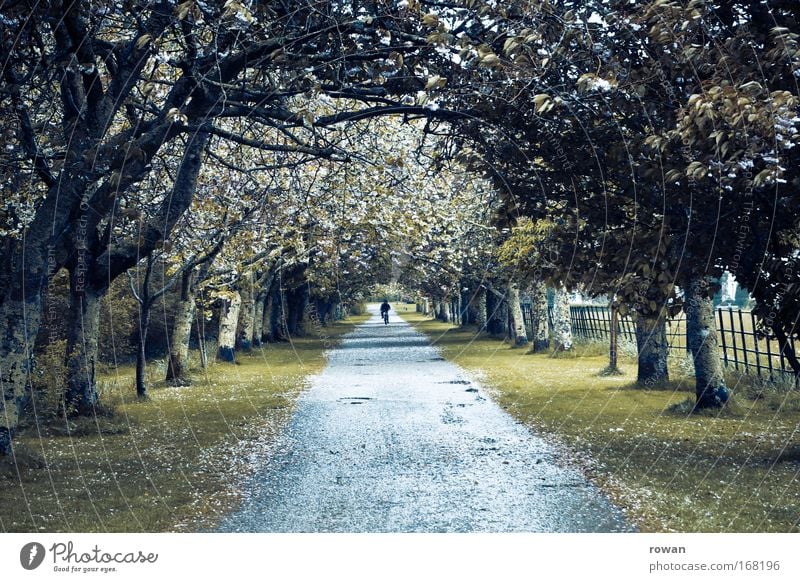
x=527, y=317
x=741, y=346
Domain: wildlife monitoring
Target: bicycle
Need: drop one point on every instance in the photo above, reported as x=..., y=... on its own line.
x=385, y=317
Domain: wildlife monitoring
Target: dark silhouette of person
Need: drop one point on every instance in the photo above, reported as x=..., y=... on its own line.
x=385, y=309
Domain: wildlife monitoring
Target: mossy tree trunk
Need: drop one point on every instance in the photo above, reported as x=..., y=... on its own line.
x=479, y=307
x=441, y=309
x=562, y=324
x=701, y=337
x=519, y=333
x=258, y=319
x=247, y=312
x=540, y=321
x=19, y=325
x=651, y=344
x=80, y=395
x=178, y=364
x=228, y=320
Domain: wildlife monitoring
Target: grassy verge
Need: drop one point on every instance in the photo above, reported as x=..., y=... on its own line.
x=734, y=471
x=171, y=463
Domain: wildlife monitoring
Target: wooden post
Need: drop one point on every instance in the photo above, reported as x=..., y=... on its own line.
x=612, y=339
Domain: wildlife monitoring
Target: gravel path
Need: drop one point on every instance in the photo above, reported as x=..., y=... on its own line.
x=392, y=438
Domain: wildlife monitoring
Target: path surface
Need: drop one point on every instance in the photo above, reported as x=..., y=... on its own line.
x=392, y=438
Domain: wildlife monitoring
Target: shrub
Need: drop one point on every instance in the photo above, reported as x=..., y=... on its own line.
x=582, y=348
x=778, y=393
x=118, y=324
x=359, y=308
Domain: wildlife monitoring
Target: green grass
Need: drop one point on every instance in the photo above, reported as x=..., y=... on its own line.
x=171, y=463
x=737, y=470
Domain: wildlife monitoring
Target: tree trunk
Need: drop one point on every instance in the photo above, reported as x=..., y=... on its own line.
x=297, y=304
x=785, y=347
x=258, y=320
x=266, y=326
x=20, y=324
x=441, y=310
x=229, y=317
x=301, y=307
x=178, y=365
x=202, y=344
x=464, y=308
x=141, y=352
x=518, y=333
x=278, y=329
x=497, y=314
x=539, y=318
x=479, y=307
x=80, y=395
x=247, y=310
x=651, y=343
x=701, y=337
x=562, y=326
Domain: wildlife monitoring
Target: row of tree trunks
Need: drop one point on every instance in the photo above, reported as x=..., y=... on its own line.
x=250, y=318
x=424, y=306
x=93, y=266
x=702, y=340
x=505, y=318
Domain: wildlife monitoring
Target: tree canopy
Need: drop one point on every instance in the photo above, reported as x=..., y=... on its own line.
x=265, y=157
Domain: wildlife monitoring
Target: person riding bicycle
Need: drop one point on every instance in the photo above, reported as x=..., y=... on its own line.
x=385, y=311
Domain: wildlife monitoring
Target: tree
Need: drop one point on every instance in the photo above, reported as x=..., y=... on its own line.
x=123, y=80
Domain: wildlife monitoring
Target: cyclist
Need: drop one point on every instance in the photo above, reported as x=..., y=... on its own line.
x=385, y=311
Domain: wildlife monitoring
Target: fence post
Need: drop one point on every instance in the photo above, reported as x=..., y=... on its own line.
x=755, y=343
x=722, y=337
x=744, y=339
x=769, y=354
x=612, y=332
x=733, y=338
